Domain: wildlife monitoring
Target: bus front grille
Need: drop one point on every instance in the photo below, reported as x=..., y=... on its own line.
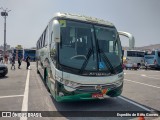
x=93, y=87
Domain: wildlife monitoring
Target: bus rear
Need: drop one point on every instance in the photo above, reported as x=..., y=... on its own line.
x=152, y=59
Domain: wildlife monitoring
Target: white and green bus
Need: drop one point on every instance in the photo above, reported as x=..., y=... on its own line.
x=80, y=58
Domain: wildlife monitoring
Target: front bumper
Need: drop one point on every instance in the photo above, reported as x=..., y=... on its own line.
x=82, y=95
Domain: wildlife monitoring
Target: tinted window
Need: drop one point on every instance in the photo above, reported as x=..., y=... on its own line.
x=140, y=54
x=85, y=46
x=44, y=39
x=135, y=54
x=46, y=36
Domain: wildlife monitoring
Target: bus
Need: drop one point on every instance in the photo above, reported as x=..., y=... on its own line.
x=80, y=58
x=152, y=59
x=31, y=53
x=133, y=58
x=17, y=53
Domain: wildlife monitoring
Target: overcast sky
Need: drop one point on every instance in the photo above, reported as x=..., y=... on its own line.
x=28, y=18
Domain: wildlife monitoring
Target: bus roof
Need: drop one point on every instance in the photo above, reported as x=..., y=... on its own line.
x=83, y=18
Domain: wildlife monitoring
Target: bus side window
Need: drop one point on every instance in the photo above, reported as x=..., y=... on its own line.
x=53, y=50
x=46, y=36
x=43, y=40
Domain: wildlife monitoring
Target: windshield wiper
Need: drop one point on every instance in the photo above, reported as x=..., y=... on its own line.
x=108, y=63
x=86, y=61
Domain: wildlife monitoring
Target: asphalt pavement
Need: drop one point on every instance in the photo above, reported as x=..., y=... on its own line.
x=23, y=90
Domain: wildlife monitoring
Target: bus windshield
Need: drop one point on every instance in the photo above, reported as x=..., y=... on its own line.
x=89, y=47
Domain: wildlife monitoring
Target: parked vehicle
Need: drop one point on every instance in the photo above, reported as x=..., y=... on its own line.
x=3, y=70
x=17, y=52
x=31, y=53
x=152, y=59
x=133, y=59
x=1, y=58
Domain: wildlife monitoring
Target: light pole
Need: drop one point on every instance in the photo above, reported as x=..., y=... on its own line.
x=4, y=14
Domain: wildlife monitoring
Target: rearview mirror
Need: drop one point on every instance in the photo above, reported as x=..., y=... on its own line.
x=131, y=38
x=56, y=31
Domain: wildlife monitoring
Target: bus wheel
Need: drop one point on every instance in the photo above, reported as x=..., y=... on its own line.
x=37, y=71
x=46, y=80
x=37, y=68
x=135, y=68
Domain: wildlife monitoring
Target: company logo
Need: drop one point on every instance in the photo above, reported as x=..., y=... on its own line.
x=98, y=87
x=97, y=74
x=6, y=114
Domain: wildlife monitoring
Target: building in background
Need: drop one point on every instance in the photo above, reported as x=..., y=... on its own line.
x=8, y=49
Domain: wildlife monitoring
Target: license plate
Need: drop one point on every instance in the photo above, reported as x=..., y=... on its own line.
x=1, y=71
x=97, y=95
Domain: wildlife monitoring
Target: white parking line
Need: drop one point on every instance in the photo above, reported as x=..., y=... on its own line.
x=154, y=75
x=134, y=103
x=25, y=98
x=131, y=74
x=143, y=75
x=150, y=77
x=142, y=83
x=11, y=96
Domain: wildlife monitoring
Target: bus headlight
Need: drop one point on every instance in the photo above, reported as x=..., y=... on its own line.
x=61, y=94
x=71, y=83
x=118, y=83
x=67, y=82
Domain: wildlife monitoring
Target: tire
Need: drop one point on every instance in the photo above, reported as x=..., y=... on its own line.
x=46, y=80
x=3, y=75
x=37, y=71
x=37, y=68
